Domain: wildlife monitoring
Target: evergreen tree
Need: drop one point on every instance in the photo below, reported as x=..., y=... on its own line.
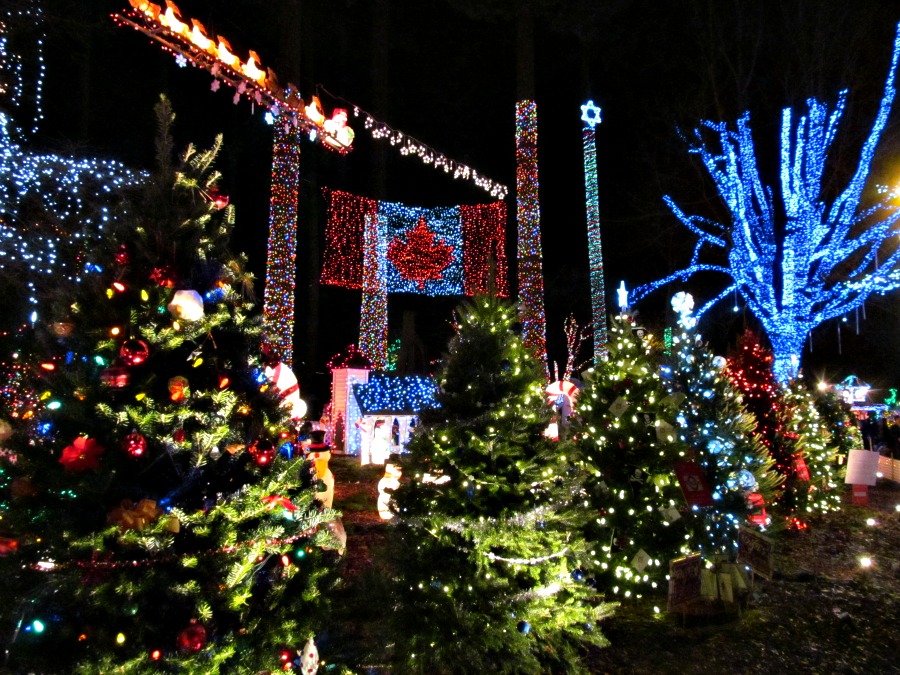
x=626, y=427
x=813, y=484
x=489, y=576
x=789, y=425
x=153, y=522
x=718, y=435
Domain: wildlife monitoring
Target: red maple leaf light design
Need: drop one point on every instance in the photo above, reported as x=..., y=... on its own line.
x=420, y=258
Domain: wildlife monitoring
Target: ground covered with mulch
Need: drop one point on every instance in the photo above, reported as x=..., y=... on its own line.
x=822, y=612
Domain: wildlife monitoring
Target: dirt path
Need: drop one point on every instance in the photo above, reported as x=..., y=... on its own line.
x=356, y=496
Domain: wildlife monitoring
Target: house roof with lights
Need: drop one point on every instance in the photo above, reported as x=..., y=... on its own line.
x=395, y=395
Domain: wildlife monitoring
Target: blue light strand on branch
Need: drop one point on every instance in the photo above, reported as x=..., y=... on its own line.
x=591, y=117
x=785, y=269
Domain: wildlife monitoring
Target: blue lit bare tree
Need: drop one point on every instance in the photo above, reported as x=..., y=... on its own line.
x=802, y=261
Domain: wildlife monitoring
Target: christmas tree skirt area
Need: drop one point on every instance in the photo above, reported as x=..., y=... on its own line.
x=823, y=611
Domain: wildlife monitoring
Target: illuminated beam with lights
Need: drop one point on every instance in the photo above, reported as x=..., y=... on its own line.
x=278, y=296
x=590, y=115
x=528, y=216
x=189, y=42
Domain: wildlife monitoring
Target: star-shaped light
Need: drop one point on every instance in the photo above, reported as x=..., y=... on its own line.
x=590, y=114
x=181, y=60
x=215, y=85
x=622, y=294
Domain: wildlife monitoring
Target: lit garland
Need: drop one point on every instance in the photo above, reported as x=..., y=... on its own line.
x=785, y=269
x=410, y=146
x=373, y=320
x=528, y=217
x=395, y=395
x=590, y=114
x=278, y=298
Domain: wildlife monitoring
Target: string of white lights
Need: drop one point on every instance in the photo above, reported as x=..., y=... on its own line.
x=408, y=145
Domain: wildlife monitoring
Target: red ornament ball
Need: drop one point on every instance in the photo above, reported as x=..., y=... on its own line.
x=178, y=436
x=263, y=452
x=192, y=638
x=134, y=444
x=122, y=255
x=134, y=352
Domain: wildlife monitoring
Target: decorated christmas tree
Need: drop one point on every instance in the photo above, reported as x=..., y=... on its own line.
x=788, y=423
x=626, y=426
x=734, y=468
x=813, y=484
x=151, y=517
x=489, y=571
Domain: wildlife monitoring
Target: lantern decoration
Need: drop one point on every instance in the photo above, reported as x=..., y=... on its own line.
x=262, y=451
x=192, y=638
x=134, y=352
x=134, y=444
x=82, y=455
x=178, y=388
x=285, y=383
x=186, y=305
x=130, y=516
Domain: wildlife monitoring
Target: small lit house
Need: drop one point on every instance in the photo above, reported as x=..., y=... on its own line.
x=389, y=407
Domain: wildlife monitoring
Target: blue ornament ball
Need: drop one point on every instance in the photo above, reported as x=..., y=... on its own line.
x=524, y=627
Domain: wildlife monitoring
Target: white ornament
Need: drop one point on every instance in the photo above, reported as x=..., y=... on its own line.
x=719, y=362
x=309, y=659
x=186, y=305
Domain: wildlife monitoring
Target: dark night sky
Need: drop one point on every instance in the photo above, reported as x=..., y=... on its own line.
x=450, y=81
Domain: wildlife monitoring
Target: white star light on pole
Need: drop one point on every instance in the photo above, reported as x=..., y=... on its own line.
x=590, y=114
